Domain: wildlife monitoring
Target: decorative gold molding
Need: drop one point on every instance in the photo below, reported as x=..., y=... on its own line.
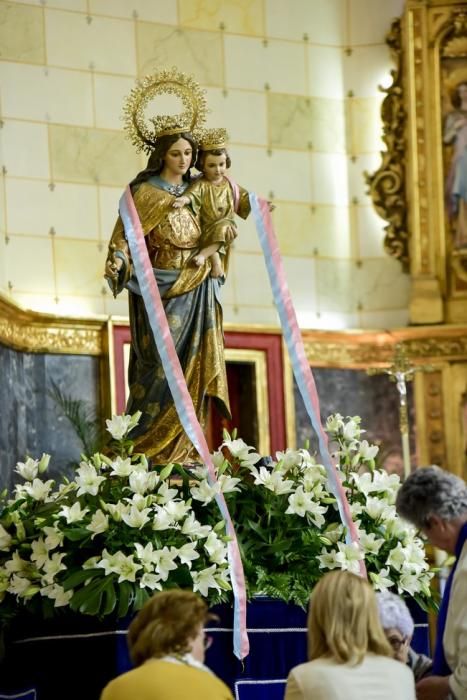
x=355, y=349
x=30, y=331
x=387, y=184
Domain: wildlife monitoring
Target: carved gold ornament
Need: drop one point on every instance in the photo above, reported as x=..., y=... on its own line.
x=211, y=139
x=143, y=131
x=387, y=184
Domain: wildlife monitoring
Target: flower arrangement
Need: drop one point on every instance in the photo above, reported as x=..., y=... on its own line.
x=101, y=543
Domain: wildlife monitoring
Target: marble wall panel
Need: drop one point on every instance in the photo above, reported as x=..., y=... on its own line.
x=337, y=285
x=322, y=22
x=110, y=92
x=381, y=284
x=363, y=125
x=302, y=122
x=286, y=174
x=246, y=315
x=21, y=33
x=301, y=279
x=31, y=92
x=366, y=68
x=30, y=264
x=235, y=16
x=329, y=179
x=367, y=162
x=233, y=110
x=79, y=267
x=71, y=210
x=25, y=149
x=93, y=156
x=92, y=42
x=312, y=230
x=193, y=51
x=251, y=64
x=252, y=282
x=325, y=71
x=108, y=210
x=370, y=233
x=30, y=421
x=369, y=21
x=165, y=12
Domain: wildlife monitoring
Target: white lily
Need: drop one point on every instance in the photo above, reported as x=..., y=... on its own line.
x=301, y=503
x=165, y=494
x=204, y=492
x=351, y=556
x=53, y=566
x=377, y=508
x=187, y=553
x=15, y=564
x=145, y=555
x=5, y=539
x=381, y=580
x=397, y=557
x=273, y=481
x=74, y=513
x=216, y=549
x=116, y=510
x=99, y=523
x=193, y=528
x=329, y=560
x=409, y=583
x=177, y=509
x=164, y=560
x=370, y=542
x=121, y=467
x=136, y=518
x=54, y=537
x=40, y=552
x=28, y=469
x=126, y=567
x=119, y=426
x=141, y=481
x=204, y=580
x=367, y=452
x=57, y=594
x=88, y=479
x=228, y=484
x=151, y=581
x=38, y=489
x=162, y=520
x=19, y=585
x=241, y=451
x=335, y=423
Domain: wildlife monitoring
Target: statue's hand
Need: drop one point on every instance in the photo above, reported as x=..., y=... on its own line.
x=230, y=234
x=113, y=266
x=199, y=260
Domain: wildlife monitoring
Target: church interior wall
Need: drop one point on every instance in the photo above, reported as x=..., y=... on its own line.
x=296, y=85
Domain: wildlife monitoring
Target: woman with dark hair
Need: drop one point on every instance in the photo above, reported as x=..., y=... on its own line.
x=350, y=657
x=167, y=641
x=435, y=501
x=190, y=297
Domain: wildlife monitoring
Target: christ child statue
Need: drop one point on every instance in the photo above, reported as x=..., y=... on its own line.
x=215, y=199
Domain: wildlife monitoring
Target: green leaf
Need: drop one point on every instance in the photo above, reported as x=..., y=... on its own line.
x=141, y=596
x=166, y=472
x=80, y=576
x=76, y=534
x=109, y=597
x=126, y=593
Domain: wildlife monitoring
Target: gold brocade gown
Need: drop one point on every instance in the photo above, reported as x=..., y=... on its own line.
x=194, y=314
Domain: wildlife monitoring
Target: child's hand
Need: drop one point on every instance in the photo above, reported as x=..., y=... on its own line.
x=271, y=206
x=180, y=202
x=199, y=260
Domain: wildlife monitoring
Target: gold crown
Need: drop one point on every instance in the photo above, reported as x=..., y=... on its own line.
x=171, y=82
x=211, y=139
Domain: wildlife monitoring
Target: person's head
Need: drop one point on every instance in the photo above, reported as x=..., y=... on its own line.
x=343, y=619
x=397, y=623
x=435, y=501
x=171, y=622
x=459, y=95
x=174, y=153
x=213, y=163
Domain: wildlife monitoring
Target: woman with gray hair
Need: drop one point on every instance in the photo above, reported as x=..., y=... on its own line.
x=398, y=626
x=435, y=501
